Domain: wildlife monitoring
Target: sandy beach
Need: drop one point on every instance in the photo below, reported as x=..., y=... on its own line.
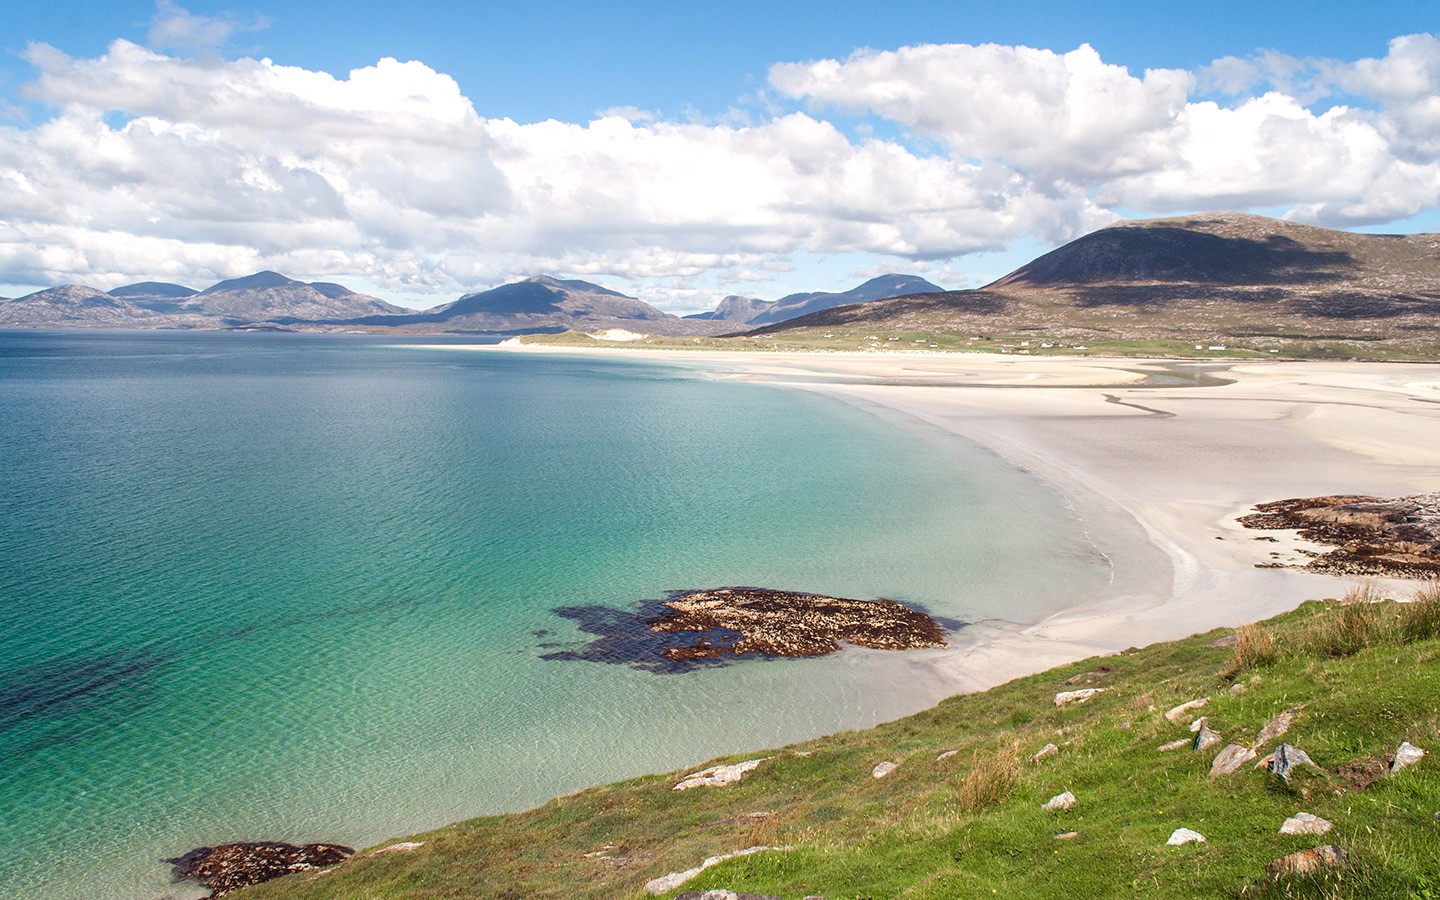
x=1157, y=458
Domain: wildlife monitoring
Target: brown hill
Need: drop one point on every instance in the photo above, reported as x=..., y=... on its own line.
x=1187, y=278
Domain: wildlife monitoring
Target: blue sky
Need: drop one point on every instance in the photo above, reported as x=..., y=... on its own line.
x=932, y=182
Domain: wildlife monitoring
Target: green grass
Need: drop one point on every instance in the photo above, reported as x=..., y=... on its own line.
x=1364, y=676
x=833, y=340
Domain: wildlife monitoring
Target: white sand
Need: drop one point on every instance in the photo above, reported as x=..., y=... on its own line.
x=1158, y=475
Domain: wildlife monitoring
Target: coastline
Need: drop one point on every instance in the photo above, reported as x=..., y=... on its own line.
x=1157, y=474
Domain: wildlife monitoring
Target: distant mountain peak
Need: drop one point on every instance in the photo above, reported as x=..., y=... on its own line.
x=258, y=282
x=153, y=289
x=575, y=284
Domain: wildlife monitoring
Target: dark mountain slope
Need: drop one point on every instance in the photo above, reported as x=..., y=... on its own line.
x=1191, y=277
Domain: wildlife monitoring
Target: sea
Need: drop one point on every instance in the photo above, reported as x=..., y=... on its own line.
x=341, y=588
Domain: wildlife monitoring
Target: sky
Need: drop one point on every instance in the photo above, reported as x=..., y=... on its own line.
x=683, y=152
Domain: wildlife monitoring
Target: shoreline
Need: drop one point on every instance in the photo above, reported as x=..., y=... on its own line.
x=1158, y=476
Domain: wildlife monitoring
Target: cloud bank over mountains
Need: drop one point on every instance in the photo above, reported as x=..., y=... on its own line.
x=175, y=167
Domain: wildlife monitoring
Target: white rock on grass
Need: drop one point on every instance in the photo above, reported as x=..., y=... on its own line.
x=1276, y=727
x=1305, y=823
x=1045, y=752
x=1206, y=737
x=1178, y=712
x=1199, y=724
x=1285, y=759
x=1406, y=756
x=1174, y=745
x=1060, y=801
x=716, y=776
x=667, y=883
x=1065, y=698
x=1230, y=760
x=1185, y=836
x=401, y=847
x=946, y=755
x=883, y=769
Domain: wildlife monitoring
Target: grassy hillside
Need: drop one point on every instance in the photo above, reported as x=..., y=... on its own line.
x=1219, y=277
x=1362, y=677
x=1043, y=343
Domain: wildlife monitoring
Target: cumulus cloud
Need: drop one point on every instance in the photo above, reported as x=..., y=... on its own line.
x=389, y=174
x=1065, y=115
x=1146, y=142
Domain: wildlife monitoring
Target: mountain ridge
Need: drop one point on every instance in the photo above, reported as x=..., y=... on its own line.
x=1193, y=277
x=1187, y=277
x=753, y=311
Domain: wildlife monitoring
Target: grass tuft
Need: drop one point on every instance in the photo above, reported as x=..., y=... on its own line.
x=1357, y=622
x=991, y=779
x=1254, y=648
x=1420, y=618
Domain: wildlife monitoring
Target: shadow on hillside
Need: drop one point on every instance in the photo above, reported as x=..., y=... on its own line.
x=980, y=303
x=1180, y=255
x=1355, y=305
x=1334, y=304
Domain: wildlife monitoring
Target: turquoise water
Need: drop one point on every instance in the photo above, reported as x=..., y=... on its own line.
x=299, y=587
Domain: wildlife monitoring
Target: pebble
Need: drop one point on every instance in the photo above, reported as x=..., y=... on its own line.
x=1406, y=756
x=718, y=776
x=1231, y=759
x=1305, y=823
x=1185, y=836
x=1060, y=801
x=1308, y=862
x=1064, y=698
x=1178, y=713
x=1275, y=727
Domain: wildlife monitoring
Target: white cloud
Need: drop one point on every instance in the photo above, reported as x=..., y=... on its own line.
x=1147, y=143
x=175, y=28
x=1065, y=115
x=392, y=171
x=222, y=167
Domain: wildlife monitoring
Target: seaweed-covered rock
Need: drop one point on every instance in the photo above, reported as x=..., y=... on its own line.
x=1372, y=535
x=230, y=867
x=786, y=623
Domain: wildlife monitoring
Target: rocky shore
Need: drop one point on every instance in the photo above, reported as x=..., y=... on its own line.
x=230, y=867
x=1397, y=537
x=742, y=620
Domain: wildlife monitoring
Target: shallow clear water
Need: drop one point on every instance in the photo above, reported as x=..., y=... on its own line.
x=299, y=587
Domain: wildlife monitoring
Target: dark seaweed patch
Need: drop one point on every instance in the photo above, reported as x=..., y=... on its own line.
x=621, y=637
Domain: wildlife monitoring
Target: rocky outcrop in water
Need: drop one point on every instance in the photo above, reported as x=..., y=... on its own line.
x=230, y=867
x=784, y=623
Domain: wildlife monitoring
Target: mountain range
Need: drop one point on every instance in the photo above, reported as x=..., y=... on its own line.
x=265, y=297
x=750, y=311
x=1204, y=275
x=271, y=300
